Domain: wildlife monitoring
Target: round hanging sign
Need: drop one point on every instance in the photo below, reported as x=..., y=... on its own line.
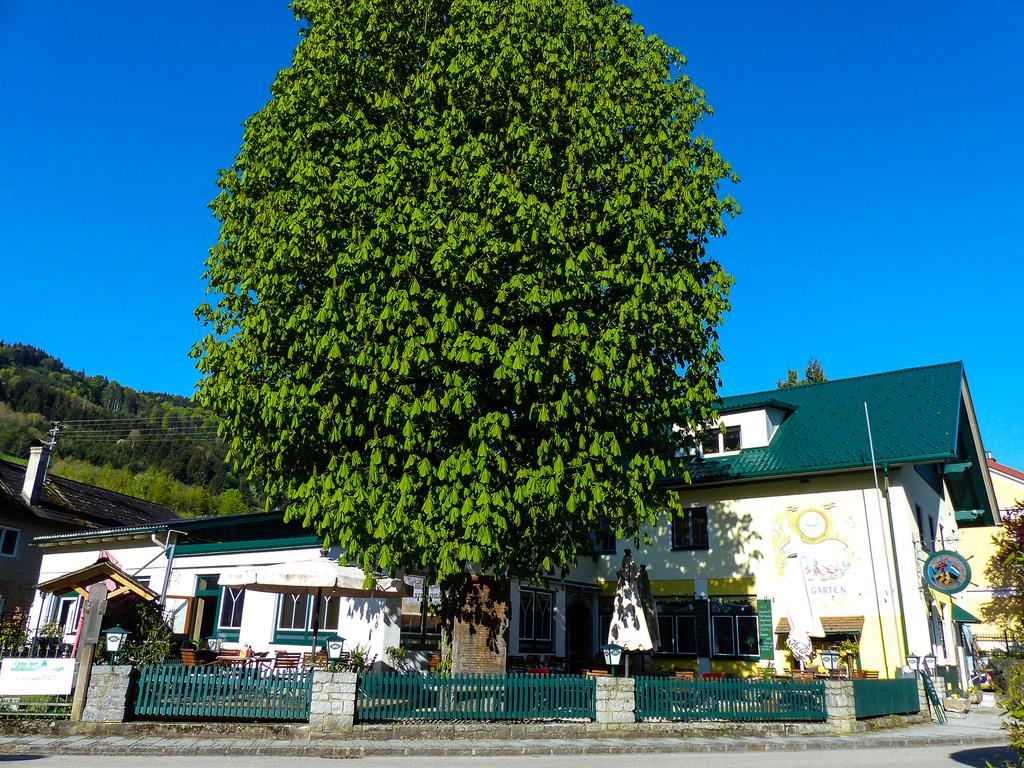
x=947, y=572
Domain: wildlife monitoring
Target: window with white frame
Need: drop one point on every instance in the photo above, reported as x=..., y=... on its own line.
x=9, y=541
x=65, y=613
x=677, y=625
x=293, y=613
x=734, y=629
x=535, y=619
x=720, y=441
x=330, y=613
x=232, y=600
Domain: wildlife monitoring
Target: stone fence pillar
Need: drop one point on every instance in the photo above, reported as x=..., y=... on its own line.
x=616, y=700
x=334, y=701
x=106, y=701
x=841, y=706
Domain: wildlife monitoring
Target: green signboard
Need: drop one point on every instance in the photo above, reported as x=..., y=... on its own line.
x=766, y=629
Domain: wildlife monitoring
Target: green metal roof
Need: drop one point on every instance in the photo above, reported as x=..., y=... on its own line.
x=105, y=533
x=915, y=416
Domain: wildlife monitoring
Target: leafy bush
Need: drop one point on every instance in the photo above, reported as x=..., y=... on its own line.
x=149, y=641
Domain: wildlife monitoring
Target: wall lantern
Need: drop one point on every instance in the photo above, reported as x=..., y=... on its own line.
x=334, y=644
x=612, y=654
x=113, y=639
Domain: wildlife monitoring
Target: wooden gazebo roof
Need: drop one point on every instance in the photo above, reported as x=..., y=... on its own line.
x=102, y=570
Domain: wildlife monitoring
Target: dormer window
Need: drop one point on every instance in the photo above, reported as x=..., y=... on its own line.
x=716, y=441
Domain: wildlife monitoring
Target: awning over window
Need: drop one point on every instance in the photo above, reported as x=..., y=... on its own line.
x=833, y=625
x=964, y=617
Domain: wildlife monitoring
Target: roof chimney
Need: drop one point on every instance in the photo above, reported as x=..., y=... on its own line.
x=35, y=473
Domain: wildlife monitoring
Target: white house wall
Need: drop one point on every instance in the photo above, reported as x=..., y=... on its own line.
x=372, y=623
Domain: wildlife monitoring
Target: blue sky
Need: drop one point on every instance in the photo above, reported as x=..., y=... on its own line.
x=878, y=144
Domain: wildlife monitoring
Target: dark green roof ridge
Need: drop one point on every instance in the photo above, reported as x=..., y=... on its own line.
x=914, y=420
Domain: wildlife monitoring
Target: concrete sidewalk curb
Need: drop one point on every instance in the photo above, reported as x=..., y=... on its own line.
x=336, y=748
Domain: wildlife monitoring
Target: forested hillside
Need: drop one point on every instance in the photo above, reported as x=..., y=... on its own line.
x=160, y=447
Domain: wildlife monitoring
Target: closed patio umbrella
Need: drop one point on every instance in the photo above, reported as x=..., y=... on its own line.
x=313, y=577
x=804, y=622
x=630, y=627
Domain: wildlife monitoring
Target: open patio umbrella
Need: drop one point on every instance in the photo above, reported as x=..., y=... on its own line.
x=632, y=614
x=804, y=622
x=313, y=577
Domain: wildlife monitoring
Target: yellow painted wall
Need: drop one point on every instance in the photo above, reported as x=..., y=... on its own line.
x=839, y=524
x=979, y=545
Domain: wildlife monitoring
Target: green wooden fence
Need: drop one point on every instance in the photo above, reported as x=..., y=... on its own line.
x=173, y=691
x=873, y=698
x=660, y=698
x=392, y=696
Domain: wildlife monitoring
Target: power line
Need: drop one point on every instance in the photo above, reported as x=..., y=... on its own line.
x=126, y=431
x=152, y=438
x=165, y=436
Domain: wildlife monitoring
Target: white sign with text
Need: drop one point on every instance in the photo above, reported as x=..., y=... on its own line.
x=36, y=677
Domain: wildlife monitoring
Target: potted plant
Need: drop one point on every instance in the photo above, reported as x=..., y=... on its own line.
x=848, y=650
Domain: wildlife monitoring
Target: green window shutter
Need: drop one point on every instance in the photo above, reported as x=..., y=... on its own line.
x=702, y=613
x=766, y=629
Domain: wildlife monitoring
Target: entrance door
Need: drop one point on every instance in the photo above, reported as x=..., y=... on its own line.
x=579, y=627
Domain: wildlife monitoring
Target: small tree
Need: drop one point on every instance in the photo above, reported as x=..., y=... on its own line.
x=813, y=374
x=1006, y=569
x=462, y=292
x=149, y=637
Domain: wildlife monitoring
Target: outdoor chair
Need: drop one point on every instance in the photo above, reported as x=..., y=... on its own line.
x=229, y=658
x=596, y=673
x=286, y=660
x=686, y=675
x=870, y=674
x=316, y=660
x=188, y=658
x=556, y=664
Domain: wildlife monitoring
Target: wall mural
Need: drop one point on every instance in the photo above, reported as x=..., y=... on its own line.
x=821, y=536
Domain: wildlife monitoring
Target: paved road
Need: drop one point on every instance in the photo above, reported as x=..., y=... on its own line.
x=907, y=757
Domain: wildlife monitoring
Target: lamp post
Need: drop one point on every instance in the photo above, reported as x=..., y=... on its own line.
x=612, y=655
x=930, y=664
x=334, y=644
x=113, y=639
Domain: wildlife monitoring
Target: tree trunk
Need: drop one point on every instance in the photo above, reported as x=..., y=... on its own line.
x=474, y=612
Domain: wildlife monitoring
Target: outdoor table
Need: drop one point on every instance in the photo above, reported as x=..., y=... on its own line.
x=232, y=661
x=261, y=661
x=538, y=671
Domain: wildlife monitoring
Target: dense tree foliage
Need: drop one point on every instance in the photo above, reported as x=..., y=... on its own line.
x=155, y=446
x=1006, y=570
x=461, y=288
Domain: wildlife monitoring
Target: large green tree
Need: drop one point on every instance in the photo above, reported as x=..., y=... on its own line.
x=461, y=292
